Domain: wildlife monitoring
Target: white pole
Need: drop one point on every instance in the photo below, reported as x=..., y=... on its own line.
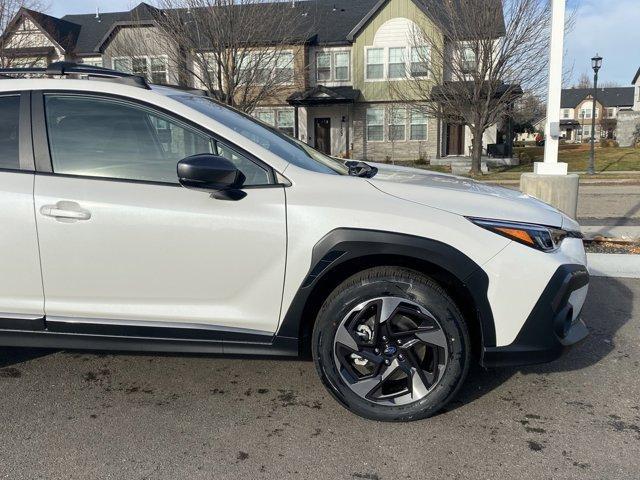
x=552, y=126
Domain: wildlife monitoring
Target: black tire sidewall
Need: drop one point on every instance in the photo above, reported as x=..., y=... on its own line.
x=401, y=283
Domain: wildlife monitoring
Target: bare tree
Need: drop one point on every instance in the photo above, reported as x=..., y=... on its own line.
x=584, y=81
x=11, y=41
x=244, y=52
x=527, y=112
x=477, y=61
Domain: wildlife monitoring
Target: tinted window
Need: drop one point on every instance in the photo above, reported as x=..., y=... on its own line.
x=108, y=138
x=9, y=121
x=281, y=145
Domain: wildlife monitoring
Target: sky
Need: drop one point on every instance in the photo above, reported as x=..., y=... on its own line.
x=608, y=27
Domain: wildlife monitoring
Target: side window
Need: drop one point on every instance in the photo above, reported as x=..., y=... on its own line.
x=9, y=142
x=101, y=137
x=255, y=174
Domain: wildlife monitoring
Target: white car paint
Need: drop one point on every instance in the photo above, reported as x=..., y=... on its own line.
x=168, y=254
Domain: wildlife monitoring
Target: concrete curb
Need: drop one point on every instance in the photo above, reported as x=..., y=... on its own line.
x=614, y=265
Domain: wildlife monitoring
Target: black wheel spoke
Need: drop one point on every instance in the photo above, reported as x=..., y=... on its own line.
x=367, y=386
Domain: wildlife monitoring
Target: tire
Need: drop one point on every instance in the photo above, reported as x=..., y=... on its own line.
x=406, y=333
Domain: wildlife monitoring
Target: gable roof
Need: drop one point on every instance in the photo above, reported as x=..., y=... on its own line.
x=433, y=9
x=59, y=31
x=608, y=97
x=329, y=20
x=635, y=79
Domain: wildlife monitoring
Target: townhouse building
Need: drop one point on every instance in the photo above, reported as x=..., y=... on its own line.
x=340, y=100
x=576, y=112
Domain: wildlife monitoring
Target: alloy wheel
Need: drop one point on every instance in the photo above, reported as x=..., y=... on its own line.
x=390, y=351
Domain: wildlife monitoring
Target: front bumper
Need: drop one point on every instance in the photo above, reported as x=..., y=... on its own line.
x=553, y=325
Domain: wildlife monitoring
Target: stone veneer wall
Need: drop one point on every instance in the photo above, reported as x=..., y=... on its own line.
x=628, y=121
x=406, y=151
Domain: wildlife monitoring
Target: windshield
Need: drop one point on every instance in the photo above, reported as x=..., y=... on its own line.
x=287, y=148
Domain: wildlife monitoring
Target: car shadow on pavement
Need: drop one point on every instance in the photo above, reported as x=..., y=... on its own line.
x=608, y=308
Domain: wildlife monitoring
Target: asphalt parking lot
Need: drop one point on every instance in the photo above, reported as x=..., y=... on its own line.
x=85, y=415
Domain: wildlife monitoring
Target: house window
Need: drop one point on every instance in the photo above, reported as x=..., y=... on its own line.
x=342, y=67
x=285, y=121
x=323, y=66
x=93, y=62
x=284, y=67
x=282, y=119
x=611, y=112
x=397, y=63
x=266, y=116
x=154, y=69
x=375, y=63
x=469, y=62
x=398, y=124
x=419, y=61
x=375, y=124
x=158, y=70
x=586, y=130
x=565, y=113
x=585, y=113
x=418, y=126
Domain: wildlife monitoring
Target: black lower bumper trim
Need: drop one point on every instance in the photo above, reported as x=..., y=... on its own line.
x=550, y=328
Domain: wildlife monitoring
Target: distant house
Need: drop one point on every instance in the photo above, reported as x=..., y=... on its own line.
x=576, y=111
x=340, y=104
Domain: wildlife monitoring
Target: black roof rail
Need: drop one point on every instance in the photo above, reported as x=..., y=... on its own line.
x=70, y=68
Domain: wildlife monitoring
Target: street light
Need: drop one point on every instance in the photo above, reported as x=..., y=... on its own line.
x=596, y=64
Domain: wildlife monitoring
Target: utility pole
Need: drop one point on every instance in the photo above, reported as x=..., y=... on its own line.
x=549, y=181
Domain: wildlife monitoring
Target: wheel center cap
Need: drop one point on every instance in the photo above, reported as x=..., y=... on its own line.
x=390, y=350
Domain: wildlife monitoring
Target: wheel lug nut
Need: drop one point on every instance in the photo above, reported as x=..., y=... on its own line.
x=387, y=362
x=400, y=357
x=384, y=339
x=376, y=351
x=399, y=342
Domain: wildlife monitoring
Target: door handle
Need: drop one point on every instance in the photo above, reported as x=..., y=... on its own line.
x=65, y=210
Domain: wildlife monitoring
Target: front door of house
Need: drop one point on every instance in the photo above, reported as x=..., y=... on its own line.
x=455, y=138
x=323, y=135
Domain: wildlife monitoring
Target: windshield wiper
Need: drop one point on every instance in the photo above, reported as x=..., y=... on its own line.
x=361, y=169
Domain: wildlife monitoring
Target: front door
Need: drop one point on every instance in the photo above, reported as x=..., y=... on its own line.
x=323, y=135
x=121, y=241
x=455, y=138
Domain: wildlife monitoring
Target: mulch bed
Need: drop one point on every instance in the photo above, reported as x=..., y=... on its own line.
x=612, y=247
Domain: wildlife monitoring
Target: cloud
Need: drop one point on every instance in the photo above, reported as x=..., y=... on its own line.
x=610, y=28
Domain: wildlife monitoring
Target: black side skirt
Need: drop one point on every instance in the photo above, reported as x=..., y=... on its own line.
x=92, y=336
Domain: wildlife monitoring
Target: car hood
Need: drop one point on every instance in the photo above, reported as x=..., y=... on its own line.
x=466, y=197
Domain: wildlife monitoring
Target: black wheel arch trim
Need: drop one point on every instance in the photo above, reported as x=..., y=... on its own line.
x=344, y=244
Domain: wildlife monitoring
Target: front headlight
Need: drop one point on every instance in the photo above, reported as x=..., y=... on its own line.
x=540, y=237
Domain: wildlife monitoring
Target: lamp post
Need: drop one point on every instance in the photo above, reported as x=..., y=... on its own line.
x=596, y=63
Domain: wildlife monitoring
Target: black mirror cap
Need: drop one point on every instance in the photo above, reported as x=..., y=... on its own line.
x=209, y=173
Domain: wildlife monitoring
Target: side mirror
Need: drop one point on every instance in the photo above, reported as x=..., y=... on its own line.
x=213, y=174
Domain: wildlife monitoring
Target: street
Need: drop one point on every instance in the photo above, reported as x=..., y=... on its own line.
x=95, y=415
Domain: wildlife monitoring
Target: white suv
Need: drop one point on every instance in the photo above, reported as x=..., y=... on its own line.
x=147, y=218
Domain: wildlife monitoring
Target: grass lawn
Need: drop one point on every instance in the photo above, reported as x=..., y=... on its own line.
x=608, y=161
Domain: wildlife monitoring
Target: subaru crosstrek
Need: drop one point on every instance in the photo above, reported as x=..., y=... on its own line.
x=147, y=218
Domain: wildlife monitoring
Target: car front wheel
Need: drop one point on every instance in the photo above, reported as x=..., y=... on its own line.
x=391, y=345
